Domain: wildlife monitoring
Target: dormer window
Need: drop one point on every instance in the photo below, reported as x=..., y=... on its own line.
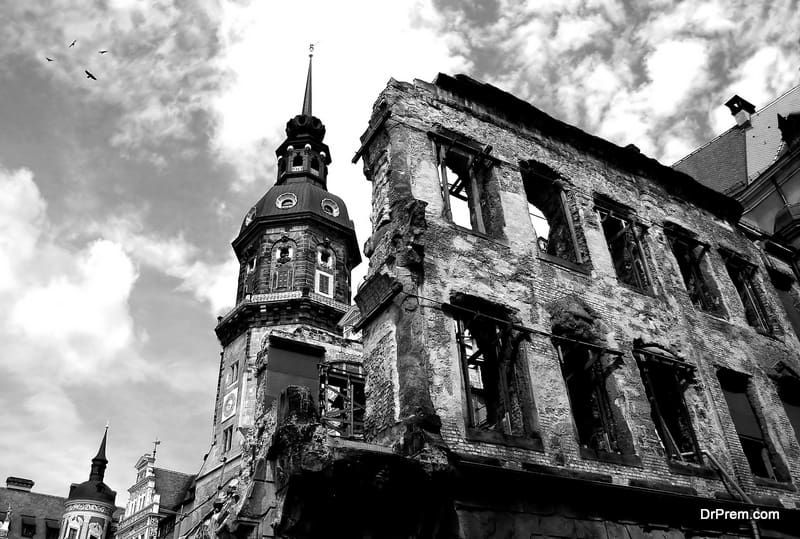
x=286, y=201
x=297, y=163
x=330, y=207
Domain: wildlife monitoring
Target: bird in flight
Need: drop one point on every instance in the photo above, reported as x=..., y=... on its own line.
x=73, y=43
x=89, y=75
x=48, y=58
x=101, y=52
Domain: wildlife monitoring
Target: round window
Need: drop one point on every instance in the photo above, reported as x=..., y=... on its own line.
x=330, y=207
x=286, y=201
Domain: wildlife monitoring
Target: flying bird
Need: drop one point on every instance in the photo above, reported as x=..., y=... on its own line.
x=73, y=43
x=101, y=52
x=48, y=58
x=89, y=75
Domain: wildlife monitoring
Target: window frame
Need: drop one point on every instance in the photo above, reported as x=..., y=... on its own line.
x=513, y=387
x=479, y=164
x=348, y=421
x=318, y=273
x=227, y=439
x=682, y=375
x=703, y=294
x=608, y=209
x=738, y=266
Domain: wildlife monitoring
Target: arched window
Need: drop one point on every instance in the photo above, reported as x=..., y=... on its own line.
x=297, y=163
x=324, y=274
x=282, y=278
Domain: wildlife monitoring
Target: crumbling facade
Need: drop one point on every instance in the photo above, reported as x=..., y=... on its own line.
x=560, y=338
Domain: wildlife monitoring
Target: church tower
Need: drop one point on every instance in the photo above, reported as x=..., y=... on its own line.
x=296, y=249
x=89, y=509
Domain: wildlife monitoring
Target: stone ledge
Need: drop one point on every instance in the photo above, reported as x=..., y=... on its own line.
x=567, y=473
x=662, y=485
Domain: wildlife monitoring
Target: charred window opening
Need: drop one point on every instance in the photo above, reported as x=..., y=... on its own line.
x=789, y=392
x=587, y=374
x=690, y=254
x=494, y=372
x=342, y=399
x=550, y=213
x=297, y=162
x=623, y=236
x=742, y=274
x=786, y=288
x=28, y=528
x=465, y=174
x=756, y=447
x=666, y=379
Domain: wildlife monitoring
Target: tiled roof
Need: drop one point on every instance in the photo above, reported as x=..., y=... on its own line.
x=737, y=157
x=32, y=504
x=172, y=487
x=721, y=164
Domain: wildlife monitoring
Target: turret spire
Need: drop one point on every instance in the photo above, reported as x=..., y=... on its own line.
x=307, y=97
x=100, y=461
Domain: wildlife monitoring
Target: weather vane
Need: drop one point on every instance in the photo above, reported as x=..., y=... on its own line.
x=155, y=446
x=311, y=50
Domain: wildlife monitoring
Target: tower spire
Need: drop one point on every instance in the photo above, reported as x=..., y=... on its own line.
x=307, y=97
x=100, y=461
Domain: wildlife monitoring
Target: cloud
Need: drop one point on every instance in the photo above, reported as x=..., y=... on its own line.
x=66, y=310
x=213, y=283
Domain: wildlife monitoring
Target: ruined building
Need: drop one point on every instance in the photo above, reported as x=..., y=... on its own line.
x=560, y=338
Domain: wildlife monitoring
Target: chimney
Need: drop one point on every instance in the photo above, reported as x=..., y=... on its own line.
x=19, y=483
x=741, y=109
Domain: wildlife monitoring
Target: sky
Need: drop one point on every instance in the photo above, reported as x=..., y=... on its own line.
x=119, y=197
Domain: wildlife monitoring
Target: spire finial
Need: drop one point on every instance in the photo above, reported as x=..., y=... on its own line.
x=307, y=98
x=156, y=442
x=99, y=461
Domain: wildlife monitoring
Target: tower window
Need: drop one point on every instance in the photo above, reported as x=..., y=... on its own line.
x=324, y=257
x=755, y=445
x=297, y=163
x=286, y=201
x=282, y=267
x=28, y=526
x=690, y=255
x=72, y=533
x=227, y=439
x=330, y=207
x=742, y=274
x=623, y=234
x=665, y=380
x=251, y=265
x=324, y=283
x=315, y=165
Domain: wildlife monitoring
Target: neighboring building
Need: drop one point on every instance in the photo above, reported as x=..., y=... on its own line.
x=24, y=513
x=154, y=501
x=561, y=338
x=296, y=248
x=757, y=161
x=88, y=512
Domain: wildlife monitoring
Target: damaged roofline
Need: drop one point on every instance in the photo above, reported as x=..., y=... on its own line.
x=518, y=111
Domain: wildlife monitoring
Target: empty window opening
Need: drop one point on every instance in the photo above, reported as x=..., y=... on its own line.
x=497, y=387
x=666, y=379
x=315, y=165
x=251, y=265
x=748, y=427
x=742, y=274
x=297, y=163
x=789, y=392
x=690, y=255
x=342, y=398
x=587, y=374
x=227, y=439
x=549, y=212
x=623, y=235
x=51, y=531
x=465, y=178
x=787, y=292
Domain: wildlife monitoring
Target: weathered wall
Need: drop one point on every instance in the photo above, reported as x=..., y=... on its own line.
x=434, y=259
